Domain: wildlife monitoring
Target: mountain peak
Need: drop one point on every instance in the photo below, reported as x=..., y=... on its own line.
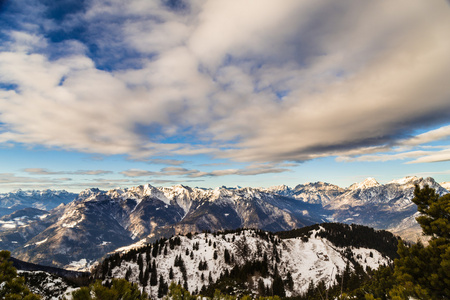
x=406, y=180
x=368, y=183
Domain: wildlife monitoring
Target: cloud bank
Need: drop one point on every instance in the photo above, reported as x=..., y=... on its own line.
x=252, y=81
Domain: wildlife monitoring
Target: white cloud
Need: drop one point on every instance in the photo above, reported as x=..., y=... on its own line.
x=41, y=171
x=193, y=173
x=353, y=76
x=430, y=136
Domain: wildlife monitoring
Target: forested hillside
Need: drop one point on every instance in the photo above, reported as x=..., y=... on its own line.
x=255, y=262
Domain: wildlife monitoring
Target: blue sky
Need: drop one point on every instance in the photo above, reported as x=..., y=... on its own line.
x=209, y=93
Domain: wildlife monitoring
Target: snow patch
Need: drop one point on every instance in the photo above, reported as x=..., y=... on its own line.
x=41, y=242
x=81, y=265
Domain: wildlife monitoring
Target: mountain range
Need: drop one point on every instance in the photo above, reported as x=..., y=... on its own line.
x=96, y=222
x=44, y=200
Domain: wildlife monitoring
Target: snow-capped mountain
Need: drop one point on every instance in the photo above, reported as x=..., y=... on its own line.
x=201, y=261
x=317, y=193
x=314, y=193
x=44, y=200
x=21, y=217
x=98, y=222
x=382, y=206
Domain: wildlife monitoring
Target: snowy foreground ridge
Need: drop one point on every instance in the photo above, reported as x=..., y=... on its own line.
x=310, y=259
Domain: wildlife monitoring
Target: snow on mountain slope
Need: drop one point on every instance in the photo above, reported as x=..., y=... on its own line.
x=383, y=206
x=368, y=183
x=206, y=257
x=21, y=217
x=314, y=193
x=48, y=286
x=397, y=193
x=98, y=222
x=44, y=200
x=445, y=185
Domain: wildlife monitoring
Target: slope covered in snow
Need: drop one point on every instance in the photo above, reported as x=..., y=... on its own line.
x=203, y=260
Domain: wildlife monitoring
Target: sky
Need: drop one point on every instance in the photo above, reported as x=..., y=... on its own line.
x=113, y=93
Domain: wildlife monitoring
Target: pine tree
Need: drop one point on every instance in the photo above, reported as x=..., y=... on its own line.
x=154, y=276
x=12, y=286
x=424, y=272
x=163, y=287
x=146, y=276
x=170, y=273
x=435, y=218
x=147, y=256
x=155, y=250
x=141, y=276
x=116, y=289
x=226, y=256
x=289, y=281
x=140, y=261
x=128, y=274
x=261, y=288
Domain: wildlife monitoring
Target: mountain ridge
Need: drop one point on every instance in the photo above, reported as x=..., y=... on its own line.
x=240, y=260
x=98, y=222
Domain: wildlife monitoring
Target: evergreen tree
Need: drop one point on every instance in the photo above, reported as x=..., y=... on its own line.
x=117, y=289
x=435, y=218
x=155, y=250
x=163, y=287
x=261, y=288
x=140, y=261
x=289, y=280
x=146, y=276
x=424, y=272
x=84, y=293
x=226, y=256
x=154, y=276
x=147, y=257
x=128, y=274
x=12, y=286
x=210, y=279
x=278, y=286
x=141, y=276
